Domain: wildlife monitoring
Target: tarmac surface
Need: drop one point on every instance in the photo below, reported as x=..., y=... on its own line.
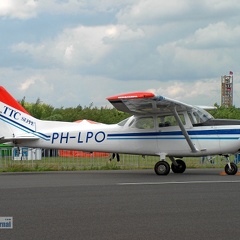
x=119, y=205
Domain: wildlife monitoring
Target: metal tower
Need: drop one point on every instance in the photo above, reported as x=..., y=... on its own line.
x=227, y=90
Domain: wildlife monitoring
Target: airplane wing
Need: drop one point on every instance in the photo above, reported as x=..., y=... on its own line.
x=146, y=103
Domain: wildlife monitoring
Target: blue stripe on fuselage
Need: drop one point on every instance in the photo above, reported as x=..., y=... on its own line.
x=24, y=128
x=195, y=134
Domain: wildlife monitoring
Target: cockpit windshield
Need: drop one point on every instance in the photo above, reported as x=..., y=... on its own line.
x=123, y=122
x=199, y=115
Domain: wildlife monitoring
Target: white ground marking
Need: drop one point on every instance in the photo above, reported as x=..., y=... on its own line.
x=165, y=183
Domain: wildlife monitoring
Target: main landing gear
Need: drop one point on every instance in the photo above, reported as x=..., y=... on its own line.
x=163, y=168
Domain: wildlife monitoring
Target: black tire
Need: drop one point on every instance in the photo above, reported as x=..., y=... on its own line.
x=162, y=168
x=180, y=168
x=233, y=169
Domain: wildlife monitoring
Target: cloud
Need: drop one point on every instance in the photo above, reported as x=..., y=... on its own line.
x=27, y=9
x=215, y=35
x=148, y=40
x=31, y=49
x=205, y=91
x=69, y=52
x=36, y=86
x=80, y=45
x=74, y=46
x=22, y=9
x=26, y=84
x=122, y=33
x=107, y=50
x=147, y=11
x=222, y=6
x=159, y=12
x=202, y=53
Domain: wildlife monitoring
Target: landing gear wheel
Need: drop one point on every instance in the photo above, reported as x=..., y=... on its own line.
x=180, y=168
x=233, y=169
x=162, y=168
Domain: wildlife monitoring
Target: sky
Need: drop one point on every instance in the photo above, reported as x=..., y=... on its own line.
x=77, y=52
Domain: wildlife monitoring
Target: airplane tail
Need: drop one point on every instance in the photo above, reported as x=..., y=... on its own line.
x=15, y=122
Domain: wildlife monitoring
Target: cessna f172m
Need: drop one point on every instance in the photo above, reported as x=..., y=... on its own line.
x=160, y=126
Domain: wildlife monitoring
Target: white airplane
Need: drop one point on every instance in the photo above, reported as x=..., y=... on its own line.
x=159, y=126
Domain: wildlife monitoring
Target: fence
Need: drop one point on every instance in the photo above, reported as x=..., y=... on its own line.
x=53, y=160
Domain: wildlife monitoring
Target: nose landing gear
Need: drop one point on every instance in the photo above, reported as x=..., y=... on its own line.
x=231, y=168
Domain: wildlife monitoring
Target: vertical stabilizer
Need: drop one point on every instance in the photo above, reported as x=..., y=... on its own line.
x=5, y=97
x=15, y=121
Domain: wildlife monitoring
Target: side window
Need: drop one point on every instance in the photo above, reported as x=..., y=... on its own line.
x=144, y=123
x=169, y=120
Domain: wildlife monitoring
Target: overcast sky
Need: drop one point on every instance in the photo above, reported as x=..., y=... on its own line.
x=71, y=52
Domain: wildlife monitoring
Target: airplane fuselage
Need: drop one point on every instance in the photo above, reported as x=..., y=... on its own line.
x=208, y=140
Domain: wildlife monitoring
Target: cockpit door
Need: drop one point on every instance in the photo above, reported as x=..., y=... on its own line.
x=144, y=134
x=175, y=139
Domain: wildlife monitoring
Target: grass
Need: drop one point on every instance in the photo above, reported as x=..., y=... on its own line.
x=97, y=163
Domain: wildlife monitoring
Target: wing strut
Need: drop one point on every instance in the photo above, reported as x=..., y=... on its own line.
x=188, y=139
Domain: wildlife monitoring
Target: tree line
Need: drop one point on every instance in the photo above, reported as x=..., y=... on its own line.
x=106, y=115
x=222, y=112
x=44, y=111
